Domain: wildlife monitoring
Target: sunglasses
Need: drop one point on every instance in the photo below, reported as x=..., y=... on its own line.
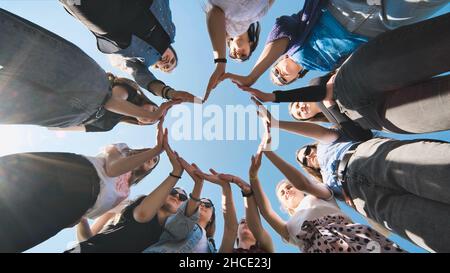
x=277, y=74
x=181, y=196
x=308, y=151
x=207, y=204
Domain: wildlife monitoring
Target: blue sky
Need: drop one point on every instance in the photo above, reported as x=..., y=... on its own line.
x=192, y=74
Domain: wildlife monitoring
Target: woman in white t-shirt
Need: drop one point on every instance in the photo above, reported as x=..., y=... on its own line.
x=43, y=193
x=233, y=24
x=316, y=225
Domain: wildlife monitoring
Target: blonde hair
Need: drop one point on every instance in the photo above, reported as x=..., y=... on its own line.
x=290, y=211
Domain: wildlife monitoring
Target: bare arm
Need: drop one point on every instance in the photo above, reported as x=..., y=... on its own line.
x=215, y=20
x=254, y=224
x=297, y=178
x=309, y=129
x=269, y=56
x=274, y=220
x=148, y=208
x=230, y=220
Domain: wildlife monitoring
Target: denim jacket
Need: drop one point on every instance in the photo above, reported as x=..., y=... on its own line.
x=139, y=55
x=181, y=234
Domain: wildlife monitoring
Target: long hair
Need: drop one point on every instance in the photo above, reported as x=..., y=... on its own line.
x=319, y=117
x=139, y=173
x=311, y=171
x=132, y=87
x=283, y=182
x=211, y=226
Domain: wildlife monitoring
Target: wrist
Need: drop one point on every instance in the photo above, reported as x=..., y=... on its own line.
x=177, y=172
x=272, y=97
x=247, y=193
x=168, y=92
x=194, y=198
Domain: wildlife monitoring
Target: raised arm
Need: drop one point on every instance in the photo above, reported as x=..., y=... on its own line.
x=251, y=210
x=148, y=208
x=228, y=209
x=85, y=231
x=274, y=220
x=307, y=129
x=193, y=171
x=215, y=20
x=270, y=54
x=117, y=165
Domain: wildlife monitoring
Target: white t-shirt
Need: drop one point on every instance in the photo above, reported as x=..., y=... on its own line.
x=240, y=14
x=113, y=190
x=310, y=208
x=202, y=246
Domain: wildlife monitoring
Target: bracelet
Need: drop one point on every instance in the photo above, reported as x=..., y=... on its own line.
x=176, y=176
x=164, y=91
x=248, y=194
x=193, y=198
x=220, y=60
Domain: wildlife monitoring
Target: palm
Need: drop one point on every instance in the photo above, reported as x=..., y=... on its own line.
x=191, y=169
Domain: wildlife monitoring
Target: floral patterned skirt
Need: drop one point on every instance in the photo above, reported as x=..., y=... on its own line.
x=338, y=234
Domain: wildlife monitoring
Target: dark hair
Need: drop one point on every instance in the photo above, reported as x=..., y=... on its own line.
x=253, y=36
x=211, y=226
x=175, y=54
x=311, y=171
x=319, y=117
x=139, y=100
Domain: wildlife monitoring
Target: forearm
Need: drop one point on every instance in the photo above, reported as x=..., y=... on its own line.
x=269, y=56
x=127, y=108
x=154, y=201
x=83, y=230
x=290, y=172
x=192, y=205
x=100, y=222
x=79, y=128
x=252, y=217
x=308, y=129
x=228, y=208
x=217, y=32
x=123, y=165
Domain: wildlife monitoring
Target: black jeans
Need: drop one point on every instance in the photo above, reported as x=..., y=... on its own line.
x=406, y=57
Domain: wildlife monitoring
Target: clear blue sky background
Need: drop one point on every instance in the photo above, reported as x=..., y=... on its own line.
x=195, y=54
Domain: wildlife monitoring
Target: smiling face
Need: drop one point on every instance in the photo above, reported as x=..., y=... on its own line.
x=304, y=110
x=289, y=196
x=239, y=47
x=168, y=61
x=307, y=156
x=206, y=210
x=285, y=71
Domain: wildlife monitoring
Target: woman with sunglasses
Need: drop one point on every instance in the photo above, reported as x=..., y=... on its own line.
x=43, y=193
x=192, y=228
x=142, y=222
x=48, y=81
x=249, y=234
x=233, y=24
x=401, y=91
x=401, y=184
x=317, y=38
x=317, y=225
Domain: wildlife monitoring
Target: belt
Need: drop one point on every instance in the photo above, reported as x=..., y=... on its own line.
x=341, y=174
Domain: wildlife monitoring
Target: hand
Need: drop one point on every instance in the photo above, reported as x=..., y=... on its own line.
x=184, y=96
x=215, y=79
x=213, y=178
x=255, y=165
x=160, y=135
x=245, y=187
x=164, y=108
x=266, y=140
x=240, y=80
x=192, y=169
x=264, y=114
x=264, y=97
x=173, y=156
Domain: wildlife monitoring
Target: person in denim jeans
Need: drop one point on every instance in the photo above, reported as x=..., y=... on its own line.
x=135, y=35
x=192, y=228
x=400, y=184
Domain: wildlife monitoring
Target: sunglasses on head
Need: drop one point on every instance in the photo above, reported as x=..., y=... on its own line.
x=307, y=153
x=207, y=203
x=181, y=195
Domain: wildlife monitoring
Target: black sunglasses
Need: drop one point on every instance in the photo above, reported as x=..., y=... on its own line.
x=181, y=196
x=307, y=153
x=208, y=204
